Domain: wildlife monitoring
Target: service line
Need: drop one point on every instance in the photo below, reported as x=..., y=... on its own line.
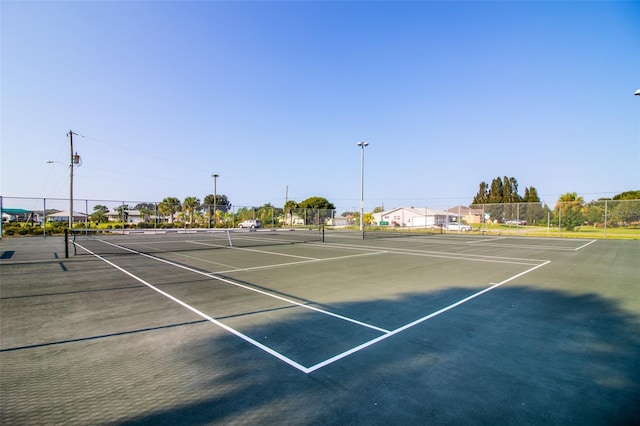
x=584, y=245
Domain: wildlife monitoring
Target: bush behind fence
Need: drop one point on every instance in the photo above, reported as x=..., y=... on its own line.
x=47, y=216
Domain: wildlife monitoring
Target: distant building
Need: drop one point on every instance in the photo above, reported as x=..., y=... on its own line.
x=339, y=221
x=467, y=214
x=63, y=216
x=412, y=217
x=130, y=216
x=17, y=215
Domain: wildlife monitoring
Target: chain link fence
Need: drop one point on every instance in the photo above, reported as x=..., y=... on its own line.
x=595, y=219
x=49, y=216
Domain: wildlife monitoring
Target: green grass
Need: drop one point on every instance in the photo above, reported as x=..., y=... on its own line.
x=586, y=231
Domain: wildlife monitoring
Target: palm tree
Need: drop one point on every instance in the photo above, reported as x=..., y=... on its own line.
x=169, y=206
x=288, y=209
x=190, y=205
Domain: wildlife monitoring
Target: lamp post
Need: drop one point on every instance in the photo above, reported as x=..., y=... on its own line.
x=215, y=199
x=362, y=145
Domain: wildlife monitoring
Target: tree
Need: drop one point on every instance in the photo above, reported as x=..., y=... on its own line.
x=122, y=212
x=570, y=210
x=99, y=213
x=222, y=202
x=145, y=209
x=190, y=205
x=594, y=212
x=502, y=190
x=169, y=206
x=624, y=212
x=321, y=208
x=496, y=191
x=482, y=197
x=316, y=203
x=368, y=218
x=531, y=195
x=532, y=210
x=628, y=195
x=268, y=213
x=289, y=206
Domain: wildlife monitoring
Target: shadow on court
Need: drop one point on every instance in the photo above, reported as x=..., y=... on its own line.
x=514, y=356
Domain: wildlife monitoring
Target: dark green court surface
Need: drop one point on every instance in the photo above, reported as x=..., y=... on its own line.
x=441, y=329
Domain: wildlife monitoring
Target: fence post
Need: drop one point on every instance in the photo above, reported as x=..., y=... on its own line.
x=605, y=219
x=44, y=219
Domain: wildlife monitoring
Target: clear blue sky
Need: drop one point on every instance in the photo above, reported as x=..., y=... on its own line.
x=271, y=95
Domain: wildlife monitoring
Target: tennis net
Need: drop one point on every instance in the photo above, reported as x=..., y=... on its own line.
x=120, y=241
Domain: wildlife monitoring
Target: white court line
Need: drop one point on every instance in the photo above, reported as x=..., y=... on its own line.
x=418, y=321
x=228, y=281
x=445, y=255
x=202, y=314
x=283, y=358
x=484, y=241
x=281, y=265
x=584, y=245
x=489, y=242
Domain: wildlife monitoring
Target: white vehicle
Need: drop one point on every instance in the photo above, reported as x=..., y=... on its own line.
x=250, y=223
x=458, y=227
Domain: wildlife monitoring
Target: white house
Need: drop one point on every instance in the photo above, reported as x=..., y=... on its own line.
x=339, y=221
x=420, y=217
x=130, y=216
x=291, y=219
x=63, y=216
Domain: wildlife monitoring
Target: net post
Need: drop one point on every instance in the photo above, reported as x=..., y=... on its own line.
x=322, y=230
x=66, y=243
x=229, y=237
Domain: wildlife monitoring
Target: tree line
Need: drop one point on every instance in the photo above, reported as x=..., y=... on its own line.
x=216, y=210
x=501, y=201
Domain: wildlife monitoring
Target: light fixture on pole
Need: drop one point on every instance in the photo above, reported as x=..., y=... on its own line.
x=215, y=199
x=362, y=145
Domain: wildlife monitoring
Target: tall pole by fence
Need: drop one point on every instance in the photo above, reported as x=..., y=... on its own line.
x=71, y=181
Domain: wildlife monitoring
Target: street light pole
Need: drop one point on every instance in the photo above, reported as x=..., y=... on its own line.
x=362, y=145
x=215, y=200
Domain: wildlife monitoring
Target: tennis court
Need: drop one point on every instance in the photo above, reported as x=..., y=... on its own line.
x=301, y=328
